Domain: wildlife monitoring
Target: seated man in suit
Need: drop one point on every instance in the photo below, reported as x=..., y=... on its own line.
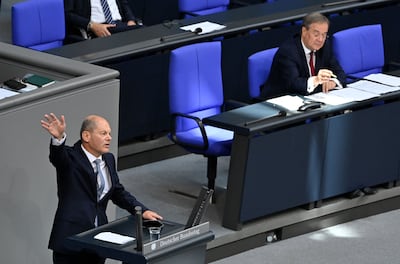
x=87, y=19
x=291, y=70
x=87, y=180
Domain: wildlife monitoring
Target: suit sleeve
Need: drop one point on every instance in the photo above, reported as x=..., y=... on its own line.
x=77, y=13
x=293, y=79
x=121, y=197
x=125, y=10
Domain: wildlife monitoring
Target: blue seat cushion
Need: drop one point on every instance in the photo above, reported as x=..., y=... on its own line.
x=219, y=140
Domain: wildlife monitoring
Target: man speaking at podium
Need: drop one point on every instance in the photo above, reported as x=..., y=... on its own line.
x=86, y=180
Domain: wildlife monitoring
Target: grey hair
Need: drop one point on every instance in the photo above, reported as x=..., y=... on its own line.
x=314, y=17
x=89, y=124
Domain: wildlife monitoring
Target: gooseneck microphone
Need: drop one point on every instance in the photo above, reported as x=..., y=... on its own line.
x=139, y=228
x=197, y=30
x=184, y=34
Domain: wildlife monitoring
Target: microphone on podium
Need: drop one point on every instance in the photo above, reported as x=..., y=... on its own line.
x=139, y=228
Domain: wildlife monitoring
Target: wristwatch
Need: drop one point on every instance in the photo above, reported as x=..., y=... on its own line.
x=89, y=26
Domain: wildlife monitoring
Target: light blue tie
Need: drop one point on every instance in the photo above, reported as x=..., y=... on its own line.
x=100, y=175
x=107, y=12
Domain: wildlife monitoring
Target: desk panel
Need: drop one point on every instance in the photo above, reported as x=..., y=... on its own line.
x=363, y=149
x=283, y=169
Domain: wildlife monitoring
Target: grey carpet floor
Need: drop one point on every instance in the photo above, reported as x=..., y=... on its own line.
x=370, y=240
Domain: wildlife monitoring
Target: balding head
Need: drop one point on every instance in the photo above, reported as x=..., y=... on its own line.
x=96, y=135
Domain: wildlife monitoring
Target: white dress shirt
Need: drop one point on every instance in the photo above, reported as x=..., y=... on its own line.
x=97, y=14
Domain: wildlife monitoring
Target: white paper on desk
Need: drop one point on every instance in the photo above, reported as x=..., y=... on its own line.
x=290, y=102
x=6, y=93
x=373, y=87
x=206, y=27
x=114, y=238
x=328, y=98
x=384, y=79
x=353, y=94
x=29, y=87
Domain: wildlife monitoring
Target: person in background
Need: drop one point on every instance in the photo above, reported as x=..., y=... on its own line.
x=292, y=72
x=87, y=19
x=87, y=180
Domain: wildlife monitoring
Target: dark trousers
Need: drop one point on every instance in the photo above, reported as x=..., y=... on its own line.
x=78, y=258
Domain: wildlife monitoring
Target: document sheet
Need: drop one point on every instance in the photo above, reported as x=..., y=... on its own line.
x=114, y=238
x=290, y=102
x=373, y=87
x=6, y=93
x=384, y=79
x=206, y=27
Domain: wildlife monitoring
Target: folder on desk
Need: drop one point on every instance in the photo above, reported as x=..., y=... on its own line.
x=38, y=80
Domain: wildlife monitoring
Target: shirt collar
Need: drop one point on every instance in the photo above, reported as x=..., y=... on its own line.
x=90, y=156
x=306, y=50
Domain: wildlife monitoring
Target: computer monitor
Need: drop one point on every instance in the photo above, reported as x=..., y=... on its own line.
x=200, y=207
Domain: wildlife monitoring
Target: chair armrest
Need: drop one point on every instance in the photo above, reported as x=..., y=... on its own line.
x=199, y=123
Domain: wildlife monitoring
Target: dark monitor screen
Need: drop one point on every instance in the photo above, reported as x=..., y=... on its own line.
x=200, y=207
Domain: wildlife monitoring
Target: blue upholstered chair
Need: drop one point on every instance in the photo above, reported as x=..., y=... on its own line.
x=360, y=50
x=259, y=66
x=38, y=24
x=196, y=92
x=192, y=8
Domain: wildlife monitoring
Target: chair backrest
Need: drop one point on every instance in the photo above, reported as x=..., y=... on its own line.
x=202, y=7
x=360, y=50
x=38, y=24
x=195, y=81
x=259, y=66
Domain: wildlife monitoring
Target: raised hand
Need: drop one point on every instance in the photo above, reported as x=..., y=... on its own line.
x=54, y=125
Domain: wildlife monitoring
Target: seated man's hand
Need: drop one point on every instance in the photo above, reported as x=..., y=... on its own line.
x=131, y=23
x=327, y=86
x=101, y=30
x=324, y=75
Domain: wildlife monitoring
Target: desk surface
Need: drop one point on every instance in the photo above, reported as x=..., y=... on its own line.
x=263, y=115
x=148, y=39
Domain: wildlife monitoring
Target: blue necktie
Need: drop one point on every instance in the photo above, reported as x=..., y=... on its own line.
x=100, y=181
x=107, y=12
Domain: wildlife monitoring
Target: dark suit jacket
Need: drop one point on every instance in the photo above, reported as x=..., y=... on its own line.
x=77, y=194
x=77, y=14
x=289, y=70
